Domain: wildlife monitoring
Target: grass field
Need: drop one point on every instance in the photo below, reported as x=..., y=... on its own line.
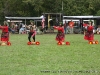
x=48, y=58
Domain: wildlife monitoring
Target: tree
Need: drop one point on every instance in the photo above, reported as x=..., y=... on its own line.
x=37, y=7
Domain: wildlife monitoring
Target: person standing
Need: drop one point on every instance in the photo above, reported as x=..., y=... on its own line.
x=89, y=35
x=84, y=27
x=65, y=27
x=5, y=32
x=71, y=26
x=32, y=31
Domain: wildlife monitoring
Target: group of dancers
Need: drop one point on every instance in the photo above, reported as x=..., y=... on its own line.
x=60, y=37
x=88, y=33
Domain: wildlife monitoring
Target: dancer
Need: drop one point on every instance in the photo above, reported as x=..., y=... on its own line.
x=89, y=32
x=5, y=34
x=32, y=32
x=60, y=37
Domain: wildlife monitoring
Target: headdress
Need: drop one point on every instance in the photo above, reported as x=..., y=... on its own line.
x=6, y=23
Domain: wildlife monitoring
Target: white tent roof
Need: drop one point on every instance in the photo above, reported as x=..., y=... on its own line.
x=81, y=17
x=23, y=18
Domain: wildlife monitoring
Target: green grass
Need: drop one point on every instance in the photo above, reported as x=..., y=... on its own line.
x=48, y=58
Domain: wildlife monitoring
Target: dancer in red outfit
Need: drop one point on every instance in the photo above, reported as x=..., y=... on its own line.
x=89, y=33
x=60, y=35
x=5, y=32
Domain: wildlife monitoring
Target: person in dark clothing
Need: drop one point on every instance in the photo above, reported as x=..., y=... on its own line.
x=32, y=32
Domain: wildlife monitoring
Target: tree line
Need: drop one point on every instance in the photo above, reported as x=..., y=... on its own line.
x=33, y=8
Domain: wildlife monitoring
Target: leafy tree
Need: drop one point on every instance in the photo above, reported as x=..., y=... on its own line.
x=37, y=7
x=98, y=13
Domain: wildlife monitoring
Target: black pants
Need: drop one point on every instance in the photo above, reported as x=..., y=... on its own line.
x=29, y=36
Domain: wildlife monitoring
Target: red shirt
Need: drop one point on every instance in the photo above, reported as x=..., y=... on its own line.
x=85, y=25
x=90, y=28
x=71, y=24
x=59, y=29
x=4, y=28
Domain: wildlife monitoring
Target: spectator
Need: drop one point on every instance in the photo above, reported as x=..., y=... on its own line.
x=22, y=29
x=65, y=27
x=71, y=25
x=98, y=30
x=84, y=27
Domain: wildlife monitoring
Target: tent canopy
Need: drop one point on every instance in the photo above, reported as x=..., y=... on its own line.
x=34, y=18
x=81, y=17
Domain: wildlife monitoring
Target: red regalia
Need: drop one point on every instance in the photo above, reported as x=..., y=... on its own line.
x=60, y=35
x=89, y=34
x=5, y=33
